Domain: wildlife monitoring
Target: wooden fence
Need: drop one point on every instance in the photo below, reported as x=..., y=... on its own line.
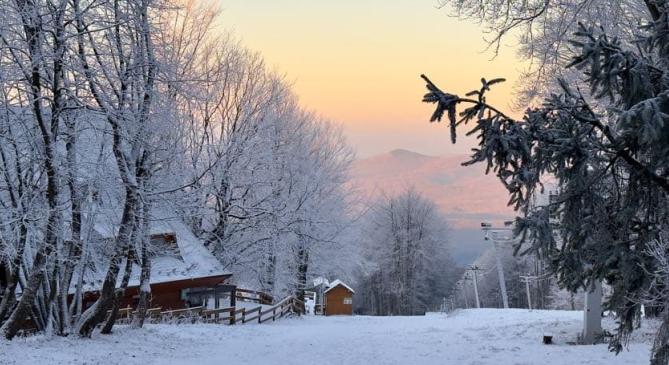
x=229, y=315
x=254, y=296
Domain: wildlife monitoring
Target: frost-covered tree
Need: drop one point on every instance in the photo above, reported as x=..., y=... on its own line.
x=408, y=268
x=272, y=170
x=657, y=291
x=109, y=109
x=607, y=151
x=541, y=31
x=319, y=209
x=37, y=65
x=262, y=178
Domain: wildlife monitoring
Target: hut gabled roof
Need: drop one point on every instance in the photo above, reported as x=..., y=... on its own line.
x=337, y=283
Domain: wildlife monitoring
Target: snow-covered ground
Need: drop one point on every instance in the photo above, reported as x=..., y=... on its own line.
x=485, y=336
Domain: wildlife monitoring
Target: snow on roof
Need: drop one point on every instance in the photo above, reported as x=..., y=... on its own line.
x=195, y=260
x=337, y=283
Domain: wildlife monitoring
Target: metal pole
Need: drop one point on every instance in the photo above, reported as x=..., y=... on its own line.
x=464, y=294
x=592, y=321
x=526, y=279
x=500, y=273
x=529, y=297
x=476, y=287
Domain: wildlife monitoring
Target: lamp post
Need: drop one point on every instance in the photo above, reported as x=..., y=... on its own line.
x=496, y=235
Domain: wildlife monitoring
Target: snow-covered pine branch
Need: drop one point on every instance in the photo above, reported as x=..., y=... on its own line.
x=606, y=151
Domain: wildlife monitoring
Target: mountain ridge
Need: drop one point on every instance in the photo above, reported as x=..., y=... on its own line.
x=464, y=194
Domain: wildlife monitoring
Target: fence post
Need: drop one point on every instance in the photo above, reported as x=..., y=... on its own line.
x=259, y=314
x=232, y=316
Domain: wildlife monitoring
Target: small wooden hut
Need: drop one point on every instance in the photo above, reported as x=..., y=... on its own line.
x=339, y=299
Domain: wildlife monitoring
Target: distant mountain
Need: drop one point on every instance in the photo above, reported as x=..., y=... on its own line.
x=465, y=195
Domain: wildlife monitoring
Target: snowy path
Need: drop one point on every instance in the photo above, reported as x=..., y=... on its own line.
x=469, y=337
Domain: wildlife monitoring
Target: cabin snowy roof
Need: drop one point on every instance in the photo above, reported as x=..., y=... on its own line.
x=337, y=283
x=193, y=261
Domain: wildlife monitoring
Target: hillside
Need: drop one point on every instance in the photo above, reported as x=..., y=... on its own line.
x=468, y=337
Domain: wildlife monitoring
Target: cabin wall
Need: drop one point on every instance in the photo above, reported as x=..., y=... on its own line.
x=334, y=302
x=167, y=295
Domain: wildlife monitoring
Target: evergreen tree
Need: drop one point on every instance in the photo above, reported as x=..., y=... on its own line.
x=608, y=150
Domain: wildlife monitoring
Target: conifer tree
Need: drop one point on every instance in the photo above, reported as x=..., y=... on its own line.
x=608, y=150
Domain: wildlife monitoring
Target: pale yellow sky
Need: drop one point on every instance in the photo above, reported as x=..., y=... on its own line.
x=358, y=62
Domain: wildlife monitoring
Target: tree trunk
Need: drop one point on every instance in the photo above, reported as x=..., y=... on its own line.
x=12, y=275
x=302, y=268
x=96, y=313
x=75, y=244
x=145, y=276
x=144, y=290
x=8, y=296
x=24, y=307
x=33, y=33
x=660, y=351
x=216, y=235
x=76, y=305
x=120, y=292
x=269, y=273
x=52, y=309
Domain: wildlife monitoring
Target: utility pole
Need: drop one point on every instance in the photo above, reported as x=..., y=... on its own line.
x=474, y=269
x=500, y=273
x=592, y=314
x=487, y=227
x=464, y=292
x=527, y=279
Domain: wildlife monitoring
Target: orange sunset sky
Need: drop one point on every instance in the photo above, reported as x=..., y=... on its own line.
x=358, y=63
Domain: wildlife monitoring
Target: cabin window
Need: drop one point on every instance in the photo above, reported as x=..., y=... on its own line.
x=165, y=244
x=348, y=300
x=191, y=298
x=196, y=301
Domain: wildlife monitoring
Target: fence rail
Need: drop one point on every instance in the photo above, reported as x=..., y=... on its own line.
x=254, y=296
x=228, y=315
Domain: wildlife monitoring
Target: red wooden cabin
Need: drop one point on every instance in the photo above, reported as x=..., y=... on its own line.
x=180, y=263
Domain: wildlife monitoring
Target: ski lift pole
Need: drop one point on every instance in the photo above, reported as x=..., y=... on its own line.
x=527, y=279
x=500, y=269
x=474, y=269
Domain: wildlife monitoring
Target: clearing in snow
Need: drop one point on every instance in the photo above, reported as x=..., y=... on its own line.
x=483, y=336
